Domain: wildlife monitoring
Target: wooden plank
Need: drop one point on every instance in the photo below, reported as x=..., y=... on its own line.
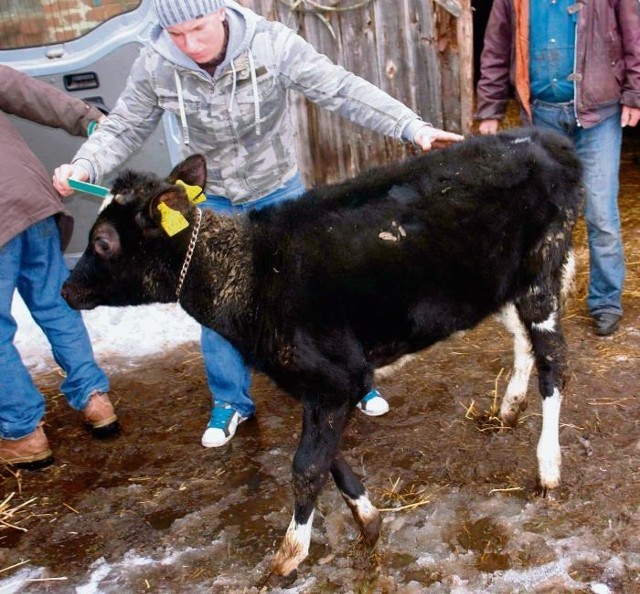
x=428, y=82
x=465, y=45
x=449, y=64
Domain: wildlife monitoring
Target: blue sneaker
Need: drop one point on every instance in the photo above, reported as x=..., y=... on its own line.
x=373, y=404
x=222, y=426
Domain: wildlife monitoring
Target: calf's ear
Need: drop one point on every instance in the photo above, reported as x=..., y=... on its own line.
x=192, y=171
x=164, y=215
x=172, y=198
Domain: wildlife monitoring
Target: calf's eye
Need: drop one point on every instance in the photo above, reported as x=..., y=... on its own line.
x=101, y=246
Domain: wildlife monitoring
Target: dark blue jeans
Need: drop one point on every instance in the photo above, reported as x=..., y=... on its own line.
x=32, y=263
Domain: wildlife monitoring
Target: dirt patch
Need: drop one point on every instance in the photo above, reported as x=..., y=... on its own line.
x=152, y=511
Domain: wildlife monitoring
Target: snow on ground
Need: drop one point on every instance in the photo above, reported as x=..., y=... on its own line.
x=134, y=332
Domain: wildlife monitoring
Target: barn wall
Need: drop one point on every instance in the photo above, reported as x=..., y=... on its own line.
x=418, y=51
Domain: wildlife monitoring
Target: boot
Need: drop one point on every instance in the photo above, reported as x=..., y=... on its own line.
x=100, y=416
x=31, y=451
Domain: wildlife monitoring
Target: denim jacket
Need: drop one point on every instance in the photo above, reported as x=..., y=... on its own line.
x=607, y=63
x=239, y=118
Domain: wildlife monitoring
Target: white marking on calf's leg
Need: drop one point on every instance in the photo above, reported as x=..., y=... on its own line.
x=367, y=517
x=294, y=548
x=515, y=397
x=549, y=456
x=568, y=277
x=549, y=325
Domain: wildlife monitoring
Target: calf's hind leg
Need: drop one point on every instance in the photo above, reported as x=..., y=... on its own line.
x=540, y=314
x=364, y=512
x=515, y=396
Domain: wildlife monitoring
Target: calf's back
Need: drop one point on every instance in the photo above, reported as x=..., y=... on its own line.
x=407, y=254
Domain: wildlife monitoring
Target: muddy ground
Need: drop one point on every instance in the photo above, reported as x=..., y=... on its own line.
x=152, y=511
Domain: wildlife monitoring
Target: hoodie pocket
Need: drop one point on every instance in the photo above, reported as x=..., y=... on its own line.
x=168, y=101
x=265, y=83
x=257, y=107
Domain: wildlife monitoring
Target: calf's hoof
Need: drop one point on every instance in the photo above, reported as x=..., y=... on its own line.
x=367, y=517
x=548, y=478
x=549, y=463
x=272, y=580
x=545, y=491
x=546, y=487
x=510, y=419
x=371, y=531
x=510, y=413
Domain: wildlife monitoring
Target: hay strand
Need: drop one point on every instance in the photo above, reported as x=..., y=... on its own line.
x=408, y=499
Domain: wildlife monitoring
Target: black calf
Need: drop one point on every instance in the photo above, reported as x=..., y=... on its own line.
x=321, y=291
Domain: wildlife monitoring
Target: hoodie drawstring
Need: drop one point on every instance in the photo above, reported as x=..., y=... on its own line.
x=256, y=98
x=254, y=87
x=233, y=86
x=183, y=114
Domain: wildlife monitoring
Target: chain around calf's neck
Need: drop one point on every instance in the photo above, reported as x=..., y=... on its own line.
x=187, y=258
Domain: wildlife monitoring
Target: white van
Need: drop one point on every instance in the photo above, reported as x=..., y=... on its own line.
x=86, y=48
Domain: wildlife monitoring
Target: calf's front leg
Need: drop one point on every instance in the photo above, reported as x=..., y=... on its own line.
x=321, y=433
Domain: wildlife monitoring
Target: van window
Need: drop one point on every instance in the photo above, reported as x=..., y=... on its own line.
x=29, y=23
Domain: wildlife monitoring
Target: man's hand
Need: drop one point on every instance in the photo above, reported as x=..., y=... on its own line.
x=428, y=138
x=630, y=116
x=489, y=127
x=63, y=173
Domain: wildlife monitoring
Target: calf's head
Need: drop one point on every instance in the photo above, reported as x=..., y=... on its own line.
x=138, y=242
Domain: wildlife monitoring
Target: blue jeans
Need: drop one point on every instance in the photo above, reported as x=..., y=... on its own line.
x=228, y=376
x=599, y=150
x=32, y=263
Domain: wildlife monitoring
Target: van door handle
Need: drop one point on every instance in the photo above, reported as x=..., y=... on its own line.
x=81, y=81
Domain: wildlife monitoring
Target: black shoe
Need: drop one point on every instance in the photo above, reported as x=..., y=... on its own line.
x=605, y=323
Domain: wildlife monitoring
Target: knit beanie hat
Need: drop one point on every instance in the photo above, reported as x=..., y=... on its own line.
x=174, y=12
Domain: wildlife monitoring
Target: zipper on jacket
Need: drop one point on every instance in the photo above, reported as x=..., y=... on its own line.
x=574, y=11
x=181, y=109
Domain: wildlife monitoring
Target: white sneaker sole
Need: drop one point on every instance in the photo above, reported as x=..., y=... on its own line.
x=215, y=438
x=372, y=412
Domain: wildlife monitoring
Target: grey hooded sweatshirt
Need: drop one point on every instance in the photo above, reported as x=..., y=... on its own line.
x=239, y=118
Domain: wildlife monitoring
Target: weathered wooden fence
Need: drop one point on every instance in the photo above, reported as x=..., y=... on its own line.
x=419, y=51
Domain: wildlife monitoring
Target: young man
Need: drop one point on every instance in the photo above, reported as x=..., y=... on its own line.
x=31, y=262
x=225, y=72
x=575, y=67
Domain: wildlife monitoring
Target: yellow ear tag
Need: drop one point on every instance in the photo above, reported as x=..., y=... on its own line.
x=172, y=221
x=194, y=193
